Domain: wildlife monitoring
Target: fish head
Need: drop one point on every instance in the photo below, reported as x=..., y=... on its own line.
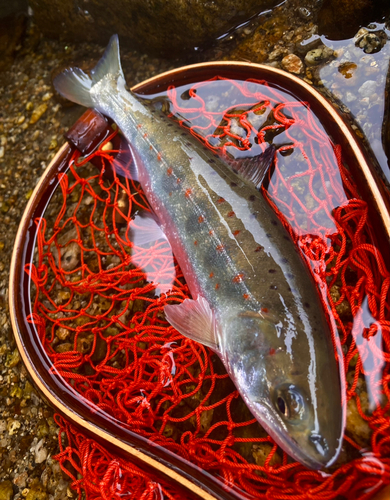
x=293, y=391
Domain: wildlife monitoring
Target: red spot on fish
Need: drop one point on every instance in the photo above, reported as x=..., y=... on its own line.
x=238, y=278
x=211, y=232
x=246, y=296
x=220, y=200
x=200, y=219
x=272, y=351
x=145, y=135
x=178, y=181
x=217, y=286
x=139, y=125
x=236, y=233
x=231, y=214
x=159, y=156
x=150, y=147
x=195, y=242
x=211, y=275
x=169, y=171
x=220, y=248
x=170, y=194
x=258, y=249
x=264, y=310
x=188, y=192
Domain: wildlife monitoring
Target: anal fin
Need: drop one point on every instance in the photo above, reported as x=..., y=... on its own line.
x=253, y=169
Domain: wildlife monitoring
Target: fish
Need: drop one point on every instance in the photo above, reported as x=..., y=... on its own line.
x=253, y=300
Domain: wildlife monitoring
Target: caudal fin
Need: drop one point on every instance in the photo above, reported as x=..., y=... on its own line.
x=76, y=85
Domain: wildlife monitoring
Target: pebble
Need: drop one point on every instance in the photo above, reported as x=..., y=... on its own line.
x=292, y=64
x=368, y=88
x=108, y=146
x=37, y=113
x=35, y=135
x=316, y=56
x=47, y=96
x=13, y=427
x=53, y=144
x=1, y=151
x=350, y=97
x=40, y=452
x=21, y=480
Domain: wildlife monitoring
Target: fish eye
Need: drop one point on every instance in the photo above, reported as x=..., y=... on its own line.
x=283, y=408
x=290, y=403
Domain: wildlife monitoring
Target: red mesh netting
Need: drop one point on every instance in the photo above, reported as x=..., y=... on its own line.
x=104, y=330
x=101, y=475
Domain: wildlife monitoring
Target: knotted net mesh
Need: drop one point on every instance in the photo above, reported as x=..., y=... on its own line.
x=103, y=327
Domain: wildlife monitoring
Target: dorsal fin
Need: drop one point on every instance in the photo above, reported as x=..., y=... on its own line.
x=254, y=169
x=110, y=61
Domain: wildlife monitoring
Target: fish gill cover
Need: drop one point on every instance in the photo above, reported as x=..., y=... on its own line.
x=105, y=333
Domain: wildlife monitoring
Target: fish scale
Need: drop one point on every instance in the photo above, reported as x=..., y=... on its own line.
x=253, y=301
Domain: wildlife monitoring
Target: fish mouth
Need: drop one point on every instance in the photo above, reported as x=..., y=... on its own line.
x=315, y=454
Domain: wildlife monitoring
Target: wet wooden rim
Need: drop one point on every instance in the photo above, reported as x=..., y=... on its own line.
x=165, y=470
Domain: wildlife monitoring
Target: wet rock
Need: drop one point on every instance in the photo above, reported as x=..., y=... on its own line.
x=13, y=17
x=357, y=427
x=160, y=27
x=317, y=56
x=347, y=69
x=37, y=491
x=340, y=19
x=6, y=490
x=370, y=42
x=292, y=64
x=260, y=454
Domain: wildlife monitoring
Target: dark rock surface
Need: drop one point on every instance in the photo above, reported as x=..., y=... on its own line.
x=166, y=28
x=340, y=19
x=13, y=17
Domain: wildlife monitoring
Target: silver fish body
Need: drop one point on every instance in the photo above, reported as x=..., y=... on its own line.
x=253, y=299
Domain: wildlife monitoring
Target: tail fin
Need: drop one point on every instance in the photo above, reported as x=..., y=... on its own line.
x=75, y=85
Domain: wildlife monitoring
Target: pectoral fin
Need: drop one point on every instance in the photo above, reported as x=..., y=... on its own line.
x=144, y=229
x=159, y=266
x=194, y=319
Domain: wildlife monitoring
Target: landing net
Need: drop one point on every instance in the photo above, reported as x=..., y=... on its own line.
x=106, y=335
